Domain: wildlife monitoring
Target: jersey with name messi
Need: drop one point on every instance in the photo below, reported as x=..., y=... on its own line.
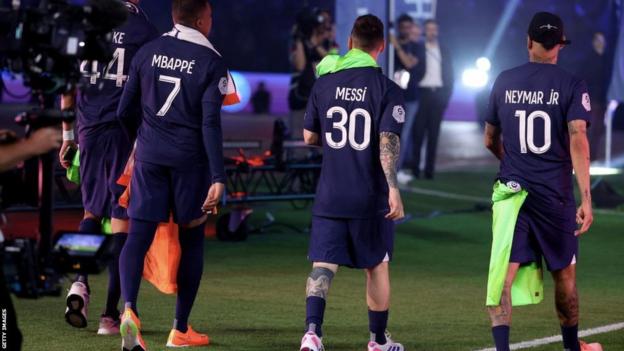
x=182, y=81
x=532, y=104
x=102, y=83
x=348, y=110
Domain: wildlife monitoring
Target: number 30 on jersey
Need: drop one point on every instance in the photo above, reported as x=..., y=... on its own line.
x=346, y=127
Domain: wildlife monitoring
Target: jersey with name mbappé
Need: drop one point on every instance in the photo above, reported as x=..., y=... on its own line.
x=179, y=81
x=532, y=104
x=349, y=109
x=103, y=82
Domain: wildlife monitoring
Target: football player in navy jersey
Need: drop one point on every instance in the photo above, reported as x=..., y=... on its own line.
x=536, y=125
x=104, y=150
x=180, y=82
x=355, y=114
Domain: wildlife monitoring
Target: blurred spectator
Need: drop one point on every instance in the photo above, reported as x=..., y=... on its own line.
x=329, y=44
x=595, y=72
x=409, y=69
x=308, y=36
x=261, y=99
x=435, y=90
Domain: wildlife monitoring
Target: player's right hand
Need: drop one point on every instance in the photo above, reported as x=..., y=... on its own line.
x=584, y=217
x=396, y=205
x=67, y=144
x=44, y=140
x=214, y=196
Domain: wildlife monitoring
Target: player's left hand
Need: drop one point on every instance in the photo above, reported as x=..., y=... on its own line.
x=396, y=205
x=214, y=196
x=584, y=217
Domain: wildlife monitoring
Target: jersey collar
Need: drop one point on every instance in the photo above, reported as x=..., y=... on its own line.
x=191, y=35
x=355, y=58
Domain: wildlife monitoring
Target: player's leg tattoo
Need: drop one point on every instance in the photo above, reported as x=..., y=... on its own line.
x=389, y=150
x=501, y=314
x=319, y=282
x=566, y=296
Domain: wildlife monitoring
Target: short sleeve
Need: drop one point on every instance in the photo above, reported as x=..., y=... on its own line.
x=393, y=111
x=217, y=87
x=580, y=104
x=491, y=113
x=311, y=120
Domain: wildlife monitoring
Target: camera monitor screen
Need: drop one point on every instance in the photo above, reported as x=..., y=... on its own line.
x=79, y=244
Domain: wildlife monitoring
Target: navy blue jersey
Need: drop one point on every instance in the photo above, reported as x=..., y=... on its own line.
x=349, y=109
x=102, y=83
x=181, y=82
x=532, y=104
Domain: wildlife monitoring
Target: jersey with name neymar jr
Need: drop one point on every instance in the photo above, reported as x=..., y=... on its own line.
x=532, y=104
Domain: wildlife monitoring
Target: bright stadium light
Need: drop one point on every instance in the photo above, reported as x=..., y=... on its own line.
x=604, y=171
x=474, y=78
x=483, y=64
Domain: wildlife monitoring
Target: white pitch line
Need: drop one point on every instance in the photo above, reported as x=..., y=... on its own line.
x=557, y=338
x=454, y=196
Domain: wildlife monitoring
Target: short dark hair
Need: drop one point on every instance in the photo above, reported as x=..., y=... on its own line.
x=405, y=18
x=187, y=11
x=367, y=33
x=430, y=20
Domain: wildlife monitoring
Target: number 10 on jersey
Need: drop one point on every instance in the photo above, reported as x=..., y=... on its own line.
x=527, y=132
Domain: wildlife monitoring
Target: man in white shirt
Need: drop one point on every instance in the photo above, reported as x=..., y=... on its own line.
x=435, y=88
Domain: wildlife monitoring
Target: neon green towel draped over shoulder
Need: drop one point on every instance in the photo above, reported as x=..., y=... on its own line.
x=355, y=58
x=528, y=287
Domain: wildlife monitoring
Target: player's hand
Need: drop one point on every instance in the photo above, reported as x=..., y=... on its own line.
x=214, y=196
x=394, y=41
x=44, y=140
x=584, y=217
x=67, y=144
x=396, y=205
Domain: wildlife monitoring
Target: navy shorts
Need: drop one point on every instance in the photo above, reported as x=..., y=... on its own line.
x=548, y=233
x=103, y=157
x=156, y=191
x=356, y=243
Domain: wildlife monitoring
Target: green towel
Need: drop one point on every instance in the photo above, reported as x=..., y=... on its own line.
x=355, y=58
x=528, y=286
x=73, y=172
x=73, y=175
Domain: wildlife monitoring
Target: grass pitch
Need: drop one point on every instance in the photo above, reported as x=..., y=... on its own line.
x=252, y=294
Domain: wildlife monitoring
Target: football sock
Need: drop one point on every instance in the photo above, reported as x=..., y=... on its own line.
x=189, y=273
x=570, y=338
x=501, y=337
x=317, y=289
x=377, y=324
x=87, y=225
x=315, y=311
x=114, y=287
x=132, y=257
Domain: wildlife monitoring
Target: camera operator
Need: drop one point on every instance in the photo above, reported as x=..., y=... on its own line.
x=309, y=46
x=12, y=152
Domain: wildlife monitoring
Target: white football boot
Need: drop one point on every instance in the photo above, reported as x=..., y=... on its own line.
x=311, y=342
x=77, y=305
x=388, y=346
x=108, y=326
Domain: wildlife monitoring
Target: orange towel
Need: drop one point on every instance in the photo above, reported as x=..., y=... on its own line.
x=163, y=257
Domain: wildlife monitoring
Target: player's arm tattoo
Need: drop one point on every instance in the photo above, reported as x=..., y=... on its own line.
x=389, y=148
x=579, y=151
x=319, y=282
